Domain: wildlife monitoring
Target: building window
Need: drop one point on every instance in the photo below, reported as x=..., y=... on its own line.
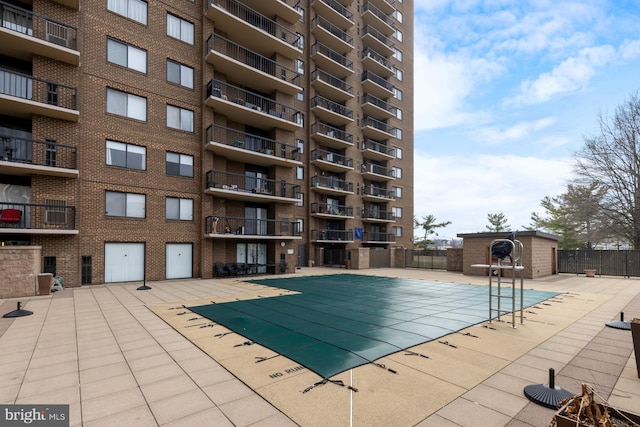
x=398, y=114
x=396, y=211
x=180, y=209
x=132, y=9
x=300, y=197
x=51, y=153
x=397, y=132
x=125, y=204
x=397, y=94
x=397, y=231
x=300, y=172
x=300, y=145
x=126, y=55
x=126, y=155
x=398, y=35
x=179, y=164
x=179, y=74
x=397, y=192
x=396, y=172
x=398, y=15
x=179, y=118
x=299, y=225
x=398, y=73
x=300, y=41
x=300, y=95
x=52, y=94
x=180, y=29
x=126, y=104
x=398, y=152
x=300, y=66
x=397, y=54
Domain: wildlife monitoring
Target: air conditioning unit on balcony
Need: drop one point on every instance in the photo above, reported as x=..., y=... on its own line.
x=57, y=34
x=55, y=217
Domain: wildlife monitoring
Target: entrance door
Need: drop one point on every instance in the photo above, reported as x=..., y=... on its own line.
x=302, y=256
x=123, y=262
x=179, y=260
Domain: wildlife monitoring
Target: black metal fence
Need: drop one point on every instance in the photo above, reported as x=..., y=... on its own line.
x=606, y=262
x=426, y=258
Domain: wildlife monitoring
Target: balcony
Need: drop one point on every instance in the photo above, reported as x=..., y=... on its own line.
x=377, y=64
x=331, y=185
x=331, y=136
x=24, y=96
x=374, y=39
x=335, y=12
x=257, y=71
x=238, y=228
x=375, y=193
x=330, y=111
x=373, y=16
x=378, y=237
x=26, y=157
x=248, y=148
x=330, y=86
x=385, y=6
x=29, y=218
x=376, y=85
x=377, y=151
x=373, y=172
x=331, y=236
x=330, y=161
x=374, y=214
x=377, y=108
x=331, y=35
x=227, y=185
x=376, y=129
x=325, y=210
x=331, y=61
x=287, y=9
x=25, y=34
x=252, y=29
x=251, y=109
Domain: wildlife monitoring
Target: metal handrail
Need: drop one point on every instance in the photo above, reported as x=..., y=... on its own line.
x=251, y=142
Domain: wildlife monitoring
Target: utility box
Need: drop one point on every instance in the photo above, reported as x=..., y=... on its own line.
x=44, y=283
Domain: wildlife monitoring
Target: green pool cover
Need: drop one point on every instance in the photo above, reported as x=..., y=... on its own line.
x=341, y=321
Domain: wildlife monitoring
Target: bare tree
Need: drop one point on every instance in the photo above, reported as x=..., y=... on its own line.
x=611, y=161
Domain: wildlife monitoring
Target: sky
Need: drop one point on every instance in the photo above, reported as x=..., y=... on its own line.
x=506, y=91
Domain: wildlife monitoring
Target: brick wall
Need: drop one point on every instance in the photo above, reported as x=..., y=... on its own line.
x=19, y=269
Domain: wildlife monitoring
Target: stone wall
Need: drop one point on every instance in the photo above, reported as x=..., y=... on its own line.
x=19, y=269
x=454, y=259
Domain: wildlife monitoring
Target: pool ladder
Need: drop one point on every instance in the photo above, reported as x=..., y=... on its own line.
x=515, y=264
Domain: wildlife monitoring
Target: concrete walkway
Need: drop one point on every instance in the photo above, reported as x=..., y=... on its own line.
x=102, y=351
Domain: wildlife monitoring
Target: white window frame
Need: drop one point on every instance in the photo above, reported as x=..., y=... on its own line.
x=184, y=207
x=180, y=160
x=185, y=74
x=127, y=149
x=179, y=118
x=396, y=211
x=136, y=10
x=397, y=54
x=136, y=58
x=397, y=93
x=397, y=231
x=396, y=172
x=134, y=205
x=299, y=172
x=397, y=192
x=398, y=152
x=180, y=29
x=299, y=225
x=132, y=104
x=300, y=197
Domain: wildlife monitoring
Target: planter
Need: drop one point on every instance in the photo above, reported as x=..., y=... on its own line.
x=590, y=273
x=583, y=411
x=617, y=419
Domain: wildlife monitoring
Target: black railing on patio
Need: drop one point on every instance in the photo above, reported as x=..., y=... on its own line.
x=251, y=142
x=606, y=262
x=338, y=32
x=368, y=29
x=240, y=226
x=380, y=81
x=331, y=209
x=372, y=213
x=380, y=148
x=319, y=48
x=378, y=124
x=376, y=169
x=250, y=184
x=372, y=190
x=339, y=7
x=39, y=153
x=319, y=74
x=327, y=104
x=332, y=132
x=369, y=7
x=331, y=157
x=34, y=25
x=37, y=216
x=331, y=182
x=38, y=90
x=435, y=259
x=332, y=235
x=378, y=237
x=380, y=103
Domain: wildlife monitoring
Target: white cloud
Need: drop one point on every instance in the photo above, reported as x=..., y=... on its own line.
x=517, y=132
x=571, y=75
x=464, y=190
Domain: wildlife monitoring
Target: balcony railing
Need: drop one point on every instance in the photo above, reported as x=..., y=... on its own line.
x=39, y=153
x=251, y=184
x=380, y=81
x=332, y=132
x=380, y=125
x=332, y=235
x=380, y=103
x=369, y=7
x=339, y=7
x=327, y=104
x=37, y=216
x=378, y=237
x=254, y=101
x=332, y=183
x=370, y=53
x=368, y=29
x=319, y=21
x=319, y=74
x=238, y=226
x=252, y=59
x=40, y=27
x=318, y=47
x=375, y=213
x=258, y=20
x=377, y=169
x=251, y=142
x=331, y=157
x=331, y=209
x=380, y=148
x=372, y=190
x=37, y=90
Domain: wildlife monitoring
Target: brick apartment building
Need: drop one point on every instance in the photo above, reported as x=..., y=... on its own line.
x=160, y=139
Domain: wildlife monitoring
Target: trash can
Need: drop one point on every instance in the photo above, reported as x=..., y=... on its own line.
x=44, y=283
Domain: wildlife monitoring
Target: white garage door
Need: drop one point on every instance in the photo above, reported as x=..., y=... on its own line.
x=123, y=262
x=179, y=258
